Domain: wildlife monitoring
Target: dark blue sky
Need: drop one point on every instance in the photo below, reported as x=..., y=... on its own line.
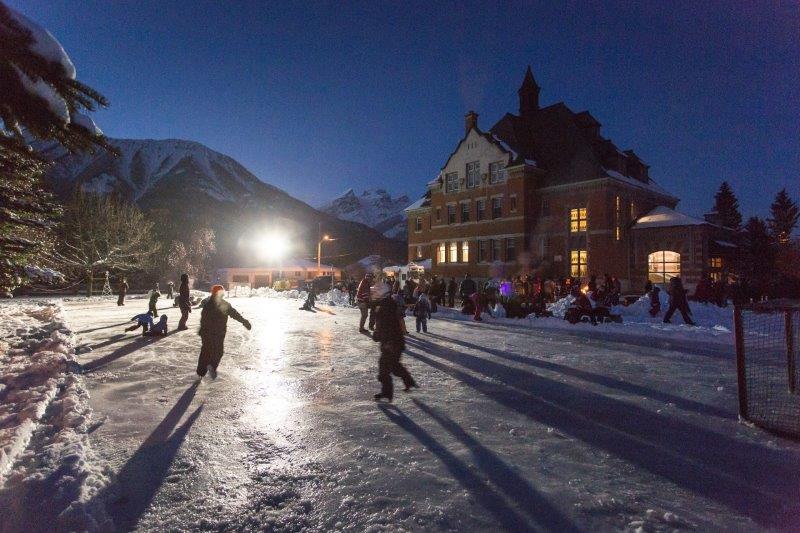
x=319, y=97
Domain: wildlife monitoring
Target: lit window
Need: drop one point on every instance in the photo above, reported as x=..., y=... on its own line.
x=577, y=263
x=473, y=174
x=663, y=265
x=497, y=207
x=480, y=207
x=496, y=172
x=512, y=203
x=451, y=182
x=465, y=252
x=454, y=252
x=496, y=249
x=465, y=212
x=441, y=257
x=577, y=219
x=418, y=224
x=618, y=219
x=419, y=252
x=511, y=250
x=715, y=262
x=451, y=214
x=481, y=251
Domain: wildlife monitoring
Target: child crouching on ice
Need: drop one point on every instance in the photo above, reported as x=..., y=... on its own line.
x=159, y=329
x=422, y=311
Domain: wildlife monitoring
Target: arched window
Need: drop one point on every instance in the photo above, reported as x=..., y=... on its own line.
x=663, y=265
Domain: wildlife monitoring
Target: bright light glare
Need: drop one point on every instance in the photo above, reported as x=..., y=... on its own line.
x=273, y=246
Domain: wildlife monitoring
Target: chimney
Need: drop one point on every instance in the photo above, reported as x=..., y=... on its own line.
x=470, y=121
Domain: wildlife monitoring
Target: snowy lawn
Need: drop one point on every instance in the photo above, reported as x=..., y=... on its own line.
x=516, y=427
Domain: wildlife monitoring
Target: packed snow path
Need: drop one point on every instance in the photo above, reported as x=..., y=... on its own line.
x=513, y=428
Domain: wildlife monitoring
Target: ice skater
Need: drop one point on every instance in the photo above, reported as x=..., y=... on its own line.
x=213, y=326
x=184, y=302
x=154, y=296
x=123, y=290
x=311, y=301
x=678, y=301
x=364, y=305
x=390, y=336
x=144, y=321
x=170, y=290
x=159, y=329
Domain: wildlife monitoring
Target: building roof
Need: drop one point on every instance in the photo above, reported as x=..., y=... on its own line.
x=423, y=202
x=286, y=265
x=664, y=217
x=650, y=185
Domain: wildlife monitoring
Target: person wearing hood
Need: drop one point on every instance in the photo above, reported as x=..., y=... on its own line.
x=390, y=336
x=213, y=327
x=184, y=302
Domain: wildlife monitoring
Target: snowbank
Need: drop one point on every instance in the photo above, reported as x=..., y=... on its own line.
x=45, y=458
x=332, y=297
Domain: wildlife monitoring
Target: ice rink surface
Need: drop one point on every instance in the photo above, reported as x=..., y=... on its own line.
x=513, y=428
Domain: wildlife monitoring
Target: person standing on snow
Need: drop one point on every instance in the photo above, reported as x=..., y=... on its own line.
x=154, y=296
x=422, y=312
x=677, y=300
x=467, y=288
x=170, y=290
x=213, y=327
x=392, y=343
x=184, y=302
x=362, y=299
x=123, y=290
x=451, y=292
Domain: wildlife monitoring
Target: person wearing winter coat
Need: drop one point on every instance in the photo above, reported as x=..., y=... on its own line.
x=159, y=329
x=390, y=336
x=123, y=290
x=397, y=296
x=655, y=301
x=154, y=296
x=362, y=299
x=311, y=300
x=422, y=312
x=184, y=302
x=677, y=300
x=213, y=327
x=144, y=321
x=352, y=287
x=170, y=290
x=467, y=288
x=451, y=292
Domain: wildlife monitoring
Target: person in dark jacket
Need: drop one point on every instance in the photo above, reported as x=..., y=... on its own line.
x=451, y=292
x=362, y=299
x=311, y=300
x=154, y=296
x=655, y=301
x=123, y=290
x=390, y=336
x=677, y=300
x=184, y=302
x=170, y=290
x=352, y=287
x=422, y=312
x=467, y=288
x=213, y=326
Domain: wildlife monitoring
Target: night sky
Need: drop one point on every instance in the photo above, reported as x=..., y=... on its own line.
x=319, y=97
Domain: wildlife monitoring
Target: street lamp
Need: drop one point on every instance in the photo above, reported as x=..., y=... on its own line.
x=319, y=253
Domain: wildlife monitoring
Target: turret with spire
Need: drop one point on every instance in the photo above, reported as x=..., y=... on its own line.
x=528, y=95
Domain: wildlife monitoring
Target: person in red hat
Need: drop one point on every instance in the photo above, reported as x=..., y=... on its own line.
x=213, y=326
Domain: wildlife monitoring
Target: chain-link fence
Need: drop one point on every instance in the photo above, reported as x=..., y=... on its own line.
x=767, y=347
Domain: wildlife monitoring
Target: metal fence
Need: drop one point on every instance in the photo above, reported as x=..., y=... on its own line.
x=767, y=347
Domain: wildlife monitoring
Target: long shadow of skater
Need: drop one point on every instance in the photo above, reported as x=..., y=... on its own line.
x=135, y=344
x=748, y=478
x=606, y=381
x=127, y=322
x=140, y=478
x=502, y=476
x=483, y=494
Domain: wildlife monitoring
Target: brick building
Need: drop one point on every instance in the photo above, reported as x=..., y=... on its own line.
x=544, y=192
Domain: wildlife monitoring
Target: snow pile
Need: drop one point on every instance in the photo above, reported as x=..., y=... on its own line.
x=708, y=316
x=44, y=275
x=332, y=297
x=559, y=308
x=46, y=462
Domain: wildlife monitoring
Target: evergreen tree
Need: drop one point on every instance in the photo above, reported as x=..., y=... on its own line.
x=756, y=257
x=785, y=215
x=727, y=207
x=39, y=99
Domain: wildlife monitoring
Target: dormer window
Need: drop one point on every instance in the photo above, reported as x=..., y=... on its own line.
x=451, y=182
x=496, y=172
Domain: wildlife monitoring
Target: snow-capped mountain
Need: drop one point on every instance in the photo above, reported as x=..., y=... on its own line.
x=376, y=208
x=188, y=184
